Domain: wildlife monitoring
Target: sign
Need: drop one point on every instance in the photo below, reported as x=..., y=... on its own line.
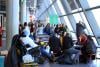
x=53, y=19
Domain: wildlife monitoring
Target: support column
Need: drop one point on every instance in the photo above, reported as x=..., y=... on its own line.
x=23, y=12
x=35, y=5
x=12, y=20
x=68, y=10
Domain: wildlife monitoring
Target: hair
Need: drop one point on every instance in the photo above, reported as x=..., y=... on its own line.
x=25, y=24
x=83, y=38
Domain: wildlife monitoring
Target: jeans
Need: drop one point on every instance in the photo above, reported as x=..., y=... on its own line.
x=44, y=53
x=72, y=51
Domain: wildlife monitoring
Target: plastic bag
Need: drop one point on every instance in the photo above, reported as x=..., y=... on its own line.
x=28, y=58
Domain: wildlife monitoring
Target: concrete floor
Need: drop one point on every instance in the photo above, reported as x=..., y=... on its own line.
x=95, y=63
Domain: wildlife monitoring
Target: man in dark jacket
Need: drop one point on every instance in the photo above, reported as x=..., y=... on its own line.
x=69, y=49
x=15, y=53
x=68, y=45
x=11, y=60
x=55, y=45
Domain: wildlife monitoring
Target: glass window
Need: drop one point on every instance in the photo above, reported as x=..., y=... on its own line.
x=53, y=8
x=56, y=10
x=72, y=32
x=81, y=17
x=73, y=5
x=61, y=7
x=93, y=3
x=77, y=17
x=63, y=13
x=96, y=13
x=68, y=23
x=95, y=41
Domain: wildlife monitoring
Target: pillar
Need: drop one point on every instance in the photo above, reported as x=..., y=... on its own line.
x=23, y=12
x=68, y=10
x=12, y=20
x=35, y=6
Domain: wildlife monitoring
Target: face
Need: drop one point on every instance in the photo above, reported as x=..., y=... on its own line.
x=59, y=25
x=37, y=39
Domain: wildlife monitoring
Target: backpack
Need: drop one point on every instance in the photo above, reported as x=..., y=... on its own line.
x=91, y=47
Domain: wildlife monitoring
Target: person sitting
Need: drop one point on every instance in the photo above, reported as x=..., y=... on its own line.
x=62, y=30
x=57, y=30
x=88, y=47
x=45, y=51
x=47, y=29
x=55, y=45
x=40, y=29
x=27, y=41
x=69, y=50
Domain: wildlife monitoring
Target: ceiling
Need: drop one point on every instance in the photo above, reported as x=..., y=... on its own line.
x=28, y=3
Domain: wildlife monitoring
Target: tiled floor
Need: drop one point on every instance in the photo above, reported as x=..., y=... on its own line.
x=95, y=63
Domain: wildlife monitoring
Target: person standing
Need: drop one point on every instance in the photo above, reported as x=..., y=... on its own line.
x=1, y=36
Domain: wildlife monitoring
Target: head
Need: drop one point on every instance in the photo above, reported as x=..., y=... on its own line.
x=57, y=26
x=20, y=26
x=61, y=25
x=26, y=32
x=25, y=24
x=48, y=25
x=83, y=38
